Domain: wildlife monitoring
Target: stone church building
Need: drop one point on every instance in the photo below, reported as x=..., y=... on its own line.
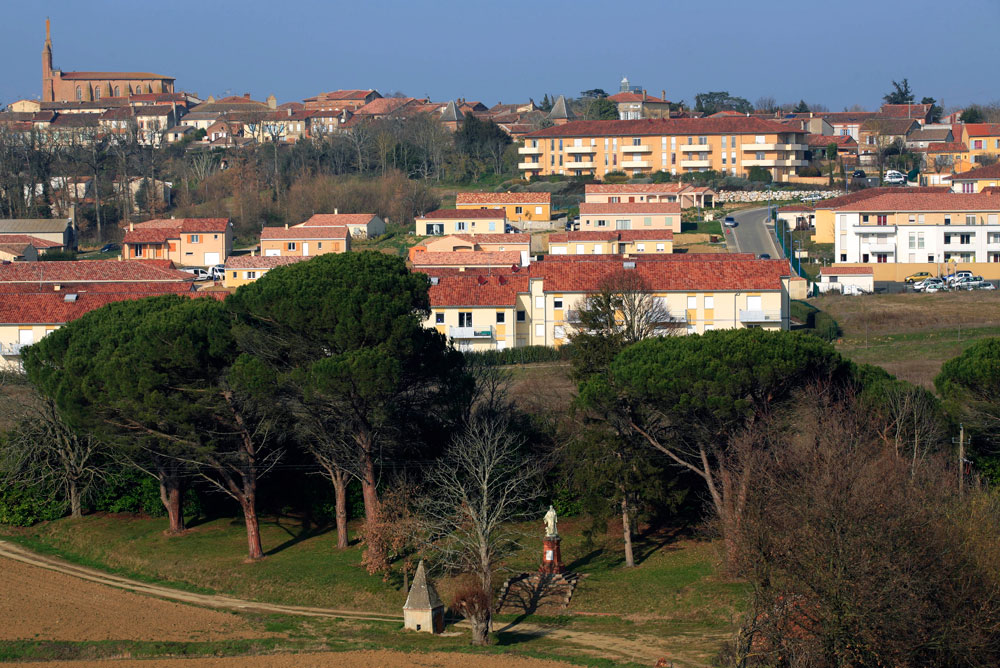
x=59, y=86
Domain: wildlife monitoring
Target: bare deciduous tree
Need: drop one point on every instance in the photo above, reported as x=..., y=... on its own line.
x=482, y=484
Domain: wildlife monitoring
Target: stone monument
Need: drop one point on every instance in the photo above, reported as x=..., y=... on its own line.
x=551, y=558
x=423, y=610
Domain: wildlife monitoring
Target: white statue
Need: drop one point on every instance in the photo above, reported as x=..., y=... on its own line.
x=550, y=522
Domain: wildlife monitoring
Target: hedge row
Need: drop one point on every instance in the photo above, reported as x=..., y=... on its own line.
x=522, y=355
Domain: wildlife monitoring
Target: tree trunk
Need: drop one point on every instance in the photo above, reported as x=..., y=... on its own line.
x=75, y=506
x=627, y=534
x=248, y=503
x=481, y=629
x=172, y=497
x=369, y=490
x=340, y=496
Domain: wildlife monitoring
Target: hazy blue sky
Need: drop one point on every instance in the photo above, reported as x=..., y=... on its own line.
x=835, y=53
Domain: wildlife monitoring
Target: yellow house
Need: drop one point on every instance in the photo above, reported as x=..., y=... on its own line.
x=621, y=242
x=304, y=241
x=477, y=242
x=682, y=193
x=942, y=159
x=630, y=216
x=729, y=145
x=982, y=139
x=243, y=269
x=185, y=241
x=975, y=180
x=462, y=221
x=517, y=207
x=476, y=309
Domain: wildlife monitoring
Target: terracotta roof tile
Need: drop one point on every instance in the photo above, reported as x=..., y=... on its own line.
x=463, y=214
x=627, y=188
x=592, y=208
x=988, y=172
x=867, y=193
x=512, y=238
x=636, y=97
x=53, y=309
x=666, y=276
x=466, y=259
x=114, y=75
x=944, y=147
x=983, y=129
x=189, y=225
x=261, y=261
x=92, y=271
x=846, y=271
x=337, y=219
x=318, y=232
x=476, y=289
x=945, y=201
x=612, y=235
x=28, y=239
x=504, y=198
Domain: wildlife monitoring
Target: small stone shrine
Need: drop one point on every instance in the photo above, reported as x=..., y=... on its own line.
x=423, y=610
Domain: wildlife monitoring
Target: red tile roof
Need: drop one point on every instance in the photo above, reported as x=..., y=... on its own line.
x=336, y=219
x=943, y=147
x=476, y=289
x=504, y=198
x=713, y=275
x=658, y=257
x=791, y=208
x=28, y=239
x=982, y=129
x=114, y=75
x=465, y=214
x=867, y=193
x=318, y=232
x=665, y=126
x=261, y=261
x=907, y=201
x=92, y=271
x=988, y=172
x=889, y=126
x=384, y=105
x=466, y=259
x=156, y=235
x=335, y=95
x=846, y=271
x=636, y=97
x=512, y=238
x=189, y=225
x=825, y=140
x=912, y=111
x=51, y=308
x=612, y=235
x=624, y=188
x=594, y=208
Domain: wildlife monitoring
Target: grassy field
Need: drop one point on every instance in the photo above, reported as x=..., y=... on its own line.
x=912, y=335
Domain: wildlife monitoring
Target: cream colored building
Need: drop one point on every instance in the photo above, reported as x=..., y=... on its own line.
x=359, y=225
x=243, y=269
x=497, y=310
x=621, y=242
x=729, y=145
x=304, y=241
x=526, y=206
x=682, y=193
x=630, y=216
x=462, y=221
x=477, y=242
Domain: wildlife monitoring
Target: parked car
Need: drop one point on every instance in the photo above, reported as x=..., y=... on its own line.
x=919, y=276
x=968, y=283
x=858, y=174
x=986, y=285
x=109, y=248
x=896, y=179
x=921, y=286
x=730, y=222
x=764, y=256
x=218, y=272
x=812, y=197
x=935, y=287
x=951, y=278
x=199, y=274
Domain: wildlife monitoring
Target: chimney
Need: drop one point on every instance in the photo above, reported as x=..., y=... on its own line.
x=643, y=94
x=289, y=112
x=335, y=211
x=246, y=96
x=663, y=95
x=286, y=226
x=131, y=227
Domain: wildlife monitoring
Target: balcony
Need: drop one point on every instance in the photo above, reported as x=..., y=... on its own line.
x=773, y=317
x=634, y=164
x=637, y=149
x=581, y=149
x=12, y=348
x=695, y=148
x=775, y=163
x=775, y=147
x=881, y=248
x=696, y=163
x=530, y=150
x=530, y=165
x=470, y=332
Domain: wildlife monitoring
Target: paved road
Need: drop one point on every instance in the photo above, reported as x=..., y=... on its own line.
x=752, y=235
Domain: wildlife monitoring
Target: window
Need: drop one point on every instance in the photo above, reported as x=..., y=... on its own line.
x=138, y=89
x=602, y=223
x=843, y=257
x=559, y=332
x=460, y=226
x=598, y=249
x=538, y=210
x=319, y=244
x=947, y=220
x=702, y=141
x=465, y=319
x=880, y=220
x=97, y=94
x=235, y=274
x=864, y=218
x=647, y=221
x=636, y=141
x=640, y=248
x=250, y=275
x=557, y=302
x=79, y=93
x=692, y=302
x=760, y=139
x=540, y=330
x=520, y=316
x=723, y=141
x=709, y=301
x=501, y=317
x=881, y=258
x=660, y=248
x=493, y=226
x=623, y=224
x=540, y=302
x=970, y=219
x=518, y=209
x=439, y=318
x=195, y=238
x=759, y=155
x=930, y=258
x=291, y=245
x=912, y=218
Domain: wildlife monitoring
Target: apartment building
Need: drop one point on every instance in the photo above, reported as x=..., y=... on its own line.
x=518, y=207
x=537, y=305
x=630, y=216
x=462, y=221
x=618, y=242
x=684, y=194
x=243, y=269
x=823, y=213
x=730, y=145
x=302, y=241
x=184, y=241
x=922, y=231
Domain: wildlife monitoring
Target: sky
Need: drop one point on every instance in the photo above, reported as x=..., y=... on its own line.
x=837, y=54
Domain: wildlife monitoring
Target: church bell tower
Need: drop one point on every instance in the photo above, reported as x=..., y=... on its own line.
x=48, y=94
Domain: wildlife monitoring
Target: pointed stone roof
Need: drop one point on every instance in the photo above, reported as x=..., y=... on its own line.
x=561, y=110
x=451, y=113
x=422, y=596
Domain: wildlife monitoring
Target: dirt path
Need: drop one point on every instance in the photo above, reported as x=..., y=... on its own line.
x=637, y=648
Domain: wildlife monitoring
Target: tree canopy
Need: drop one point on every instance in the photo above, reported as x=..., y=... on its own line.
x=710, y=103
x=900, y=93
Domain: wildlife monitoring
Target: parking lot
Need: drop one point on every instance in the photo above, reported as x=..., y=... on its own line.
x=898, y=287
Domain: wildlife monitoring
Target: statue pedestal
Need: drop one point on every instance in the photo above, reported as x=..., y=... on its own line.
x=551, y=558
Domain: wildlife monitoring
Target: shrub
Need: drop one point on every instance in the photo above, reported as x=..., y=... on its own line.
x=615, y=177
x=661, y=177
x=825, y=326
x=809, y=170
x=522, y=355
x=57, y=256
x=759, y=175
x=22, y=507
x=130, y=491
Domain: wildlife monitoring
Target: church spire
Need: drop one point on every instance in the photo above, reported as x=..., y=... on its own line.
x=47, y=92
